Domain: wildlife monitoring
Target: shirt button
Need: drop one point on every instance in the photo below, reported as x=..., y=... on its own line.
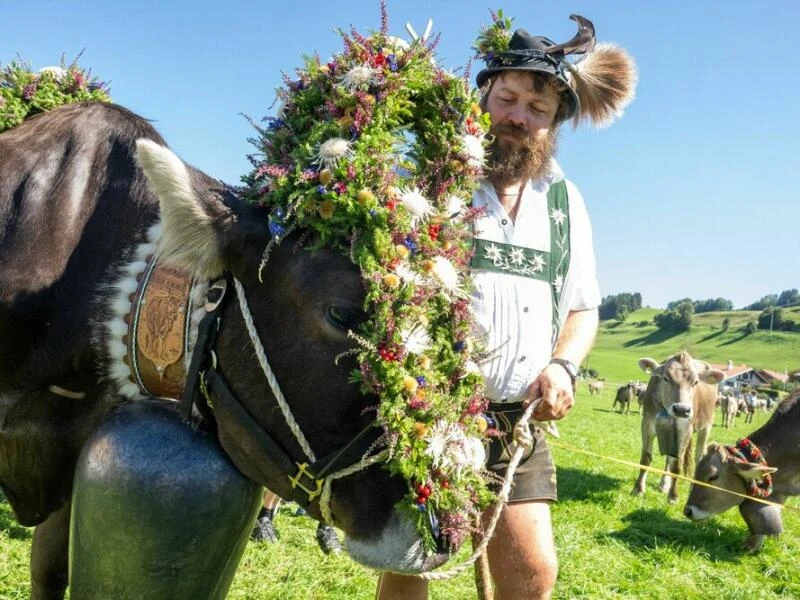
x=525, y=309
x=522, y=358
x=504, y=221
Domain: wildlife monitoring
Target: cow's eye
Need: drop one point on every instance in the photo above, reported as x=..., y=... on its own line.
x=713, y=477
x=343, y=317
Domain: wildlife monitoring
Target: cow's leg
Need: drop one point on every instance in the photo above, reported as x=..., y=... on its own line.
x=49, y=556
x=670, y=466
x=702, y=442
x=648, y=434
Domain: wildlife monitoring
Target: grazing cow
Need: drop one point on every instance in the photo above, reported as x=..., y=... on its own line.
x=625, y=395
x=595, y=388
x=730, y=408
x=87, y=192
x=741, y=470
x=679, y=389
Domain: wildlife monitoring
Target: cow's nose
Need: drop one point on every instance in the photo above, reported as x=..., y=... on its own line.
x=681, y=410
x=687, y=512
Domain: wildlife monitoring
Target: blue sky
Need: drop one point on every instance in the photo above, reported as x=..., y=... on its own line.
x=692, y=194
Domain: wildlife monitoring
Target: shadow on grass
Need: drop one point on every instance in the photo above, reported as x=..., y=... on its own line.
x=577, y=484
x=651, y=529
x=9, y=524
x=711, y=336
x=655, y=337
x=739, y=338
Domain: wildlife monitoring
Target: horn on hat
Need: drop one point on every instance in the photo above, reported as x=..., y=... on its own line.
x=604, y=79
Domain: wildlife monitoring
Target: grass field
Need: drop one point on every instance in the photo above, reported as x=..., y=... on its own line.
x=610, y=544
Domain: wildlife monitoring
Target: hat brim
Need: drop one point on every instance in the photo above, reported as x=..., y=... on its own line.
x=572, y=97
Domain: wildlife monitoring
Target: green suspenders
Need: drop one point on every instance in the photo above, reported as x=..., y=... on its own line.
x=550, y=267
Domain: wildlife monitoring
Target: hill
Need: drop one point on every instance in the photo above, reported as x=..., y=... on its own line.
x=619, y=346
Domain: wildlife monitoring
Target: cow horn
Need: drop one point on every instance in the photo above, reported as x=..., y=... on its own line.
x=581, y=43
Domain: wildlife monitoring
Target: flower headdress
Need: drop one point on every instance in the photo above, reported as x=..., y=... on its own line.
x=597, y=86
x=24, y=92
x=374, y=151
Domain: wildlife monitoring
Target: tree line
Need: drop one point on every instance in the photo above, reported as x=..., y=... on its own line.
x=678, y=314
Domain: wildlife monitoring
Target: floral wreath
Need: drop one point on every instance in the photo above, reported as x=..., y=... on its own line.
x=746, y=451
x=24, y=93
x=377, y=152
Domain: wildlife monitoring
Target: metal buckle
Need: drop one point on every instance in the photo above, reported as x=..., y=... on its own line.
x=302, y=469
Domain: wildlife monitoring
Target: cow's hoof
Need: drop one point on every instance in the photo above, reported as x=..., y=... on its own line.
x=753, y=543
x=637, y=492
x=672, y=500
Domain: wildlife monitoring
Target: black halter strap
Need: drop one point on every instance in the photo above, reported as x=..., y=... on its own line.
x=207, y=389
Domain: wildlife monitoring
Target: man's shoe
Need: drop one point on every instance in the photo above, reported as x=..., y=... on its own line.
x=328, y=540
x=264, y=529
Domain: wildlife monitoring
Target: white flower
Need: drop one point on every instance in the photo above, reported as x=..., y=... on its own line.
x=537, y=263
x=445, y=272
x=473, y=146
x=494, y=254
x=558, y=216
x=455, y=206
x=415, y=339
x=359, y=78
x=57, y=72
x=332, y=151
x=407, y=274
x=517, y=256
x=452, y=451
x=416, y=204
x=558, y=282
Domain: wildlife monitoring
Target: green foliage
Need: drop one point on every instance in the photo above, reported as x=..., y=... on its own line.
x=493, y=40
x=619, y=306
x=712, y=304
x=789, y=297
x=678, y=317
x=771, y=318
x=24, y=93
x=764, y=302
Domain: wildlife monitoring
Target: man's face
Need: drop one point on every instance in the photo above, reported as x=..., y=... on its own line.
x=522, y=126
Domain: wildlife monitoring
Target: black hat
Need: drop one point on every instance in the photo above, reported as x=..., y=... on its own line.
x=528, y=52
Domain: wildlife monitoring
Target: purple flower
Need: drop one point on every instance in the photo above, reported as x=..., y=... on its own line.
x=321, y=189
x=29, y=91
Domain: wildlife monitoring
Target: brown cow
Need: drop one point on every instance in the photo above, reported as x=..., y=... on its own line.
x=779, y=444
x=680, y=388
x=625, y=395
x=595, y=388
x=730, y=408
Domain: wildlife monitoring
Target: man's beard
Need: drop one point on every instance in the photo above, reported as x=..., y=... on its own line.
x=526, y=157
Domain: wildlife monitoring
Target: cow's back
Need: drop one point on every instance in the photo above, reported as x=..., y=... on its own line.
x=72, y=202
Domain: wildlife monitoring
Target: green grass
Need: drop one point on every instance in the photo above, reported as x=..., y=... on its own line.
x=610, y=544
x=619, y=346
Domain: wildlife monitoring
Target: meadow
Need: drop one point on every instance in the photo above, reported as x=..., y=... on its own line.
x=610, y=544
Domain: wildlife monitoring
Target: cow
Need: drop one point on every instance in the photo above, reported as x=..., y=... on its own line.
x=595, y=388
x=624, y=396
x=730, y=408
x=739, y=470
x=88, y=192
x=640, y=390
x=680, y=399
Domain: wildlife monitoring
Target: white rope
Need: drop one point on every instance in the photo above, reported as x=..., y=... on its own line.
x=325, y=498
x=523, y=442
x=273, y=383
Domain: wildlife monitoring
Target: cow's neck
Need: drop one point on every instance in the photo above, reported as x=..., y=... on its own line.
x=155, y=315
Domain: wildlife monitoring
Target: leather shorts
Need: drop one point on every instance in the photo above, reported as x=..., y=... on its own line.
x=535, y=477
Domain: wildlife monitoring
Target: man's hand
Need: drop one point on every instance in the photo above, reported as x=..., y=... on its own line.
x=554, y=386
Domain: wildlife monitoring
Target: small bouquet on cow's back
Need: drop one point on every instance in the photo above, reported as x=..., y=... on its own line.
x=24, y=92
x=377, y=152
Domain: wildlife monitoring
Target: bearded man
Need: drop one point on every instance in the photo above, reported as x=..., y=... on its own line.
x=536, y=294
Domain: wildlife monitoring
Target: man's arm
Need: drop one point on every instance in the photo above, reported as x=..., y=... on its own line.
x=553, y=384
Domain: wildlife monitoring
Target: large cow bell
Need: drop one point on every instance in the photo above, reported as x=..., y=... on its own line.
x=672, y=433
x=158, y=510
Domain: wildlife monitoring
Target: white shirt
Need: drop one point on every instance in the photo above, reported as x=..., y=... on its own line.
x=514, y=313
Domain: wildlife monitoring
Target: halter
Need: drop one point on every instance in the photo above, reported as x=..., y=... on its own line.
x=207, y=388
x=747, y=452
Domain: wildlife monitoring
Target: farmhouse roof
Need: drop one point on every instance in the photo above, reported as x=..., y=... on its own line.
x=773, y=375
x=734, y=371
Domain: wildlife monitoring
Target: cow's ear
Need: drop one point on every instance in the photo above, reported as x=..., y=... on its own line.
x=712, y=376
x=647, y=364
x=191, y=213
x=752, y=471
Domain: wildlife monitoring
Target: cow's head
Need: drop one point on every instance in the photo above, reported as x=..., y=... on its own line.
x=303, y=304
x=673, y=384
x=720, y=469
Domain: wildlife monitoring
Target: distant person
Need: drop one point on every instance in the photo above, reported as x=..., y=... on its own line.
x=264, y=529
x=750, y=401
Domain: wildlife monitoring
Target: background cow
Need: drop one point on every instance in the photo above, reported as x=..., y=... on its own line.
x=730, y=408
x=595, y=388
x=680, y=388
x=779, y=443
x=624, y=396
